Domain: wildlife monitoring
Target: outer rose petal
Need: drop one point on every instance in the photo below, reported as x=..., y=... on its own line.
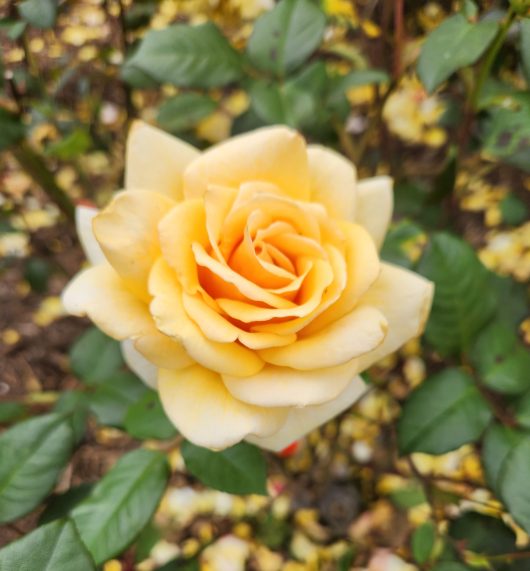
x=302, y=420
x=100, y=293
x=375, y=202
x=156, y=160
x=355, y=334
x=282, y=386
x=405, y=300
x=333, y=180
x=127, y=230
x=161, y=350
x=200, y=406
x=139, y=364
x=83, y=224
x=171, y=319
x=272, y=154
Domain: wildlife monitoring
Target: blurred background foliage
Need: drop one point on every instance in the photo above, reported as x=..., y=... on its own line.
x=431, y=469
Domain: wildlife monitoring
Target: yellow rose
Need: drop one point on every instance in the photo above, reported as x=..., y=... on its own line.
x=245, y=282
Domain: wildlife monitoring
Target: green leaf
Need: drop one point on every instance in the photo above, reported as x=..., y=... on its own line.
x=522, y=411
x=34, y=453
x=451, y=566
x=72, y=145
x=37, y=272
x=525, y=47
x=13, y=28
x=499, y=442
x=60, y=505
x=507, y=136
x=75, y=403
x=469, y=9
x=422, y=542
x=187, y=56
x=147, y=419
x=111, y=399
x=483, y=534
x=286, y=36
x=456, y=43
x=95, y=356
x=184, y=111
x=11, y=129
x=463, y=297
x=10, y=411
x=501, y=359
x=408, y=497
x=53, y=547
x=512, y=300
x=240, y=469
x=38, y=13
x=446, y=411
x=514, y=211
x=122, y=503
x=396, y=247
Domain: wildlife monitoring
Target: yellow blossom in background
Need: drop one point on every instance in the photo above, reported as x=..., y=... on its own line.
x=413, y=115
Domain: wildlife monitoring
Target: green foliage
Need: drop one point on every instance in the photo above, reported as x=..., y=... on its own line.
x=286, y=36
x=525, y=47
x=112, y=398
x=75, y=404
x=72, y=145
x=95, y=356
x=60, y=505
x=463, y=298
x=455, y=44
x=146, y=418
x=38, y=13
x=483, y=534
x=10, y=411
x=501, y=359
x=186, y=56
x=34, y=453
x=422, y=542
x=184, y=111
x=240, y=469
x=514, y=211
x=37, y=273
x=11, y=129
x=396, y=242
x=446, y=411
x=55, y=546
x=122, y=503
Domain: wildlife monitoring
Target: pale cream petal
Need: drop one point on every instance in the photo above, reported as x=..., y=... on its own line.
x=272, y=154
x=139, y=364
x=375, y=202
x=171, y=318
x=185, y=224
x=163, y=351
x=100, y=293
x=363, y=268
x=218, y=201
x=350, y=337
x=156, y=161
x=200, y=406
x=83, y=223
x=333, y=179
x=127, y=231
x=404, y=298
x=283, y=386
x=302, y=420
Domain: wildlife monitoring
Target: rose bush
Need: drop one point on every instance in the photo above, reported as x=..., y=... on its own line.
x=245, y=282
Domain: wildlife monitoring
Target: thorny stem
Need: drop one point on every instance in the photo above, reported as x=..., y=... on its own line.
x=35, y=166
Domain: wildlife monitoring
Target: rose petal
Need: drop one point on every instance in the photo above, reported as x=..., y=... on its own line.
x=171, y=319
x=203, y=410
x=127, y=231
x=272, y=154
x=363, y=268
x=333, y=180
x=283, y=386
x=100, y=293
x=404, y=298
x=156, y=161
x=353, y=335
x=303, y=420
x=139, y=364
x=83, y=223
x=162, y=351
x=375, y=202
x=185, y=224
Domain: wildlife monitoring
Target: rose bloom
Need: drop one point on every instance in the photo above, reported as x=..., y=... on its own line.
x=245, y=282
